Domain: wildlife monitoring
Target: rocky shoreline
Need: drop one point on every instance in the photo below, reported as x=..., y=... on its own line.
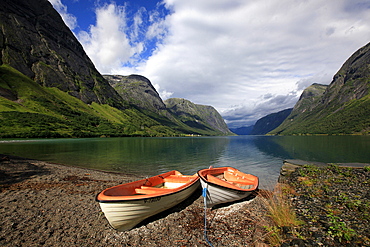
x=331, y=200
x=45, y=204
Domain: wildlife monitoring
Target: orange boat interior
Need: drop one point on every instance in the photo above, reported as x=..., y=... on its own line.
x=154, y=186
x=230, y=178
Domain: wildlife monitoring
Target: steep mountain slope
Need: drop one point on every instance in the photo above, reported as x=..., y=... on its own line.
x=310, y=98
x=344, y=106
x=197, y=116
x=270, y=122
x=35, y=41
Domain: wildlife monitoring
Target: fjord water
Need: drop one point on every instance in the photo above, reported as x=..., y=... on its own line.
x=262, y=156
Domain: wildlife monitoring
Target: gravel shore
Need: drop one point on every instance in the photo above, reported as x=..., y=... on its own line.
x=45, y=204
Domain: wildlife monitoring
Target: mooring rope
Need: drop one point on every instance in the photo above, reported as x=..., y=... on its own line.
x=205, y=216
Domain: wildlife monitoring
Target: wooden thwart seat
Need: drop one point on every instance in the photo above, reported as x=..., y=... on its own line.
x=230, y=184
x=236, y=178
x=221, y=182
x=150, y=190
x=178, y=179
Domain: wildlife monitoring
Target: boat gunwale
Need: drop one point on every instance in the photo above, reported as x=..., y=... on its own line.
x=224, y=187
x=149, y=196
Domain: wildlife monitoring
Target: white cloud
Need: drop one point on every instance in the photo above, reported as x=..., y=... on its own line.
x=137, y=24
x=157, y=28
x=163, y=94
x=68, y=19
x=245, y=58
x=246, y=114
x=229, y=54
x=108, y=43
x=116, y=42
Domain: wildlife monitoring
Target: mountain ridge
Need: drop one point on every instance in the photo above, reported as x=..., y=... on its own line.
x=135, y=88
x=245, y=130
x=200, y=116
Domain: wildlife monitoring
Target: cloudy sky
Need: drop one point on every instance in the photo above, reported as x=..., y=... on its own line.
x=245, y=58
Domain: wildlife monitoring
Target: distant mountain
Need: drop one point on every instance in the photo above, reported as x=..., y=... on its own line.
x=191, y=118
x=197, y=116
x=264, y=124
x=270, y=122
x=243, y=130
x=50, y=88
x=138, y=91
x=343, y=107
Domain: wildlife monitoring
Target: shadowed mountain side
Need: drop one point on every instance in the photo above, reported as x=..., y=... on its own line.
x=243, y=130
x=270, y=122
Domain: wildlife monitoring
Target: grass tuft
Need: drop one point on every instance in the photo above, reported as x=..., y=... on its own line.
x=280, y=211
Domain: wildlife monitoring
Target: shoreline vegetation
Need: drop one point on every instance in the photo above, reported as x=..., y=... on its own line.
x=45, y=204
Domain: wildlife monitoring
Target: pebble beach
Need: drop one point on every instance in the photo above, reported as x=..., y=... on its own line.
x=44, y=204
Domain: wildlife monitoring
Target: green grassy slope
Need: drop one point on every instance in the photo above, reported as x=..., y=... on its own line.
x=31, y=110
x=49, y=112
x=350, y=118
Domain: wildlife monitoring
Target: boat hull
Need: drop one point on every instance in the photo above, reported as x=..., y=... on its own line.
x=124, y=215
x=218, y=195
x=222, y=191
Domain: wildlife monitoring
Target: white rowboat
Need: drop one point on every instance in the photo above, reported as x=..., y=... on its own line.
x=226, y=184
x=126, y=205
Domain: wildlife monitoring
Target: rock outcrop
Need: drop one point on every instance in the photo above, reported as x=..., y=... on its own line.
x=138, y=91
x=352, y=81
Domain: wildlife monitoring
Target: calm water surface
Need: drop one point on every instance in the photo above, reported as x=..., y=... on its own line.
x=259, y=155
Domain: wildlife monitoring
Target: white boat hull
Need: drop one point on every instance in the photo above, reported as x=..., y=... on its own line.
x=216, y=194
x=124, y=215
